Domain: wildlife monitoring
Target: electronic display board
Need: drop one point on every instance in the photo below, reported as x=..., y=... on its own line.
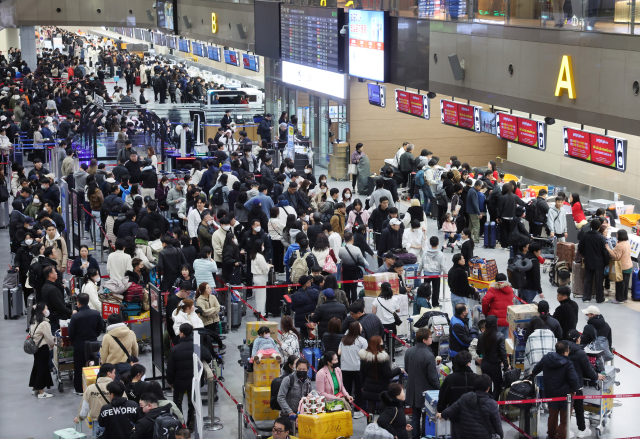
x=412, y=103
x=460, y=115
x=196, y=49
x=251, y=62
x=171, y=42
x=232, y=57
x=610, y=152
x=368, y=32
x=183, y=46
x=213, y=53
x=309, y=36
x=527, y=132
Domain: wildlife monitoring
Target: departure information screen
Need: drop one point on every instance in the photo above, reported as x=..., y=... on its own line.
x=527, y=132
x=183, y=45
x=610, y=152
x=309, y=36
x=196, y=48
x=214, y=53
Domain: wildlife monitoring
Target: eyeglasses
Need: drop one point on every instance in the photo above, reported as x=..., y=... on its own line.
x=277, y=430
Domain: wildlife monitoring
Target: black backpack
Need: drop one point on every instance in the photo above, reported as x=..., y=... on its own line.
x=358, y=220
x=36, y=279
x=530, y=211
x=217, y=198
x=4, y=194
x=520, y=390
x=165, y=426
x=517, y=276
x=275, y=388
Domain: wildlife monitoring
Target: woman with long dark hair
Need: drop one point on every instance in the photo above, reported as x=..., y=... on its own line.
x=492, y=170
x=492, y=350
x=260, y=270
x=40, y=331
x=576, y=210
x=230, y=257
x=276, y=230
x=375, y=368
x=350, y=346
x=90, y=285
x=329, y=379
x=289, y=341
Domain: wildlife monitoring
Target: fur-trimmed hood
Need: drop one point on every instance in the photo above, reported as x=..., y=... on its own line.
x=500, y=285
x=365, y=355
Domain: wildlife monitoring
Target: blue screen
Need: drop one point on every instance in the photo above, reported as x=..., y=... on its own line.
x=183, y=45
x=231, y=57
x=374, y=93
x=214, y=53
x=251, y=62
x=197, y=48
x=171, y=42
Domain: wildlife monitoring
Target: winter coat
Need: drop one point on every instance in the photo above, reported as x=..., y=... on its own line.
x=95, y=200
x=111, y=352
x=389, y=240
x=85, y=325
x=507, y=205
x=53, y=296
x=592, y=247
x=497, y=355
x=170, y=262
x=145, y=425
x=325, y=312
x=77, y=263
x=622, y=252
x=129, y=228
x=377, y=218
x=475, y=415
x=392, y=417
x=567, y=315
x=454, y=386
x=518, y=233
x=119, y=417
x=291, y=392
x=324, y=383
x=533, y=276
x=596, y=327
x=376, y=375
x=581, y=363
x=556, y=221
x=303, y=303
x=498, y=298
x=459, y=282
x=420, y=365
x=155, y=220
x=560, y=377
x=180, y=363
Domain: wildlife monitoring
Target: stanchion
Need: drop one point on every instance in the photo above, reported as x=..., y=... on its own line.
x=211, y=422
x=240, y=414
x=568, y=415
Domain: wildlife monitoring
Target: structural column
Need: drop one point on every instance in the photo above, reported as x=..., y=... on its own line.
x=28, y=45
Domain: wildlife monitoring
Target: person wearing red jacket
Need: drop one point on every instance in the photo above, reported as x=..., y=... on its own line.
x=497, y=300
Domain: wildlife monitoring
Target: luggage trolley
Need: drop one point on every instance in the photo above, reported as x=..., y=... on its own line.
x=549, y=246
x=598, y=411
x=62, y=359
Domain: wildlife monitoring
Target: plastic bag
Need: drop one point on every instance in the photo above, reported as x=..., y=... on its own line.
x=601, y=344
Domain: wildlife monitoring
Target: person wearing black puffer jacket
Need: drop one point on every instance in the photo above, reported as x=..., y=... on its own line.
x=491, y=348
x=392, y=416
x=180, y=368
x=120, y=415
x=329, y=309
x=595, y=327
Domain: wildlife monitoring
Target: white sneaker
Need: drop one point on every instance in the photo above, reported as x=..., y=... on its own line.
x=571, y=434
x=357, y=415
x=45, y=395
x=585, y=433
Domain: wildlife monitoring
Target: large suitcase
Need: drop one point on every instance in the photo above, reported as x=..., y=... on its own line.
x=31, y=302
x=577, y=279
x=566, y=251
x=236, y=314
x=4, y=214
x=275, y=297
x=529, y=422
x=13, y=302
x=138, y=81
x=491, y=230
x=312, y=355
x=371, y=185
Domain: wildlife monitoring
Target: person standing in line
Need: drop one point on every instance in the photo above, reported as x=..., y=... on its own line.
x=491, y=349
x=85, y=325
x=260, y=271
x=473, y=211
x=622, y=253
x=355, y=158
x=350, y=346
x=557, y=220
x=384, y=306
x=567, y=311
x=596, y=257
x=420, y=365
x=40, y=331
x=458, y=281
x=352, y=259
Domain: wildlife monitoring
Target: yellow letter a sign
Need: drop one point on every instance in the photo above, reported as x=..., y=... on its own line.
x=565, y=78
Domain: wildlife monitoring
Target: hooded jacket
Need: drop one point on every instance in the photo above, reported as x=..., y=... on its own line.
x=389, y=240
x=111, y=352
x=392, y=417
x=376, y=219
x=581, y=363
x=556, y=221
x=596, y=327
x=476, y=415
x=155, y=220
x=145, y=425
x=459, y=282
x=61, y=248
x=303, y=303
x=149, y=178
x=454, y=386
x=180, y=363
x=498, y=298
x=119, y=417
x=325, y=312
x=291, y=392
x=560, y=377
x=567, y=315
x=376, y=372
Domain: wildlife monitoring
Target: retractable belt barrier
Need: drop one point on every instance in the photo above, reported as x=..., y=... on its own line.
x=515, y=427
x=239, y=406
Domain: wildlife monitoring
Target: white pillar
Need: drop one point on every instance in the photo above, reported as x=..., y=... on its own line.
x=28, y=46
x=9, y=37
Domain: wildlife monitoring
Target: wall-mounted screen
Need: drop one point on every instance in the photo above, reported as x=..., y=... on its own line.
x=412, y=103
x=488, y=122
x=171, y=42
x=157, y=39
x=166, y=17
x=138, y=34
x=322, y=81
x=196, y=49
x=527, y=132
x=610, y=152
x=128, y=32
x=367, y=36
x=309, y=36
x=213, y=53
x=267, y=28
x=251, y=62
x=376, y=94
x=183, y=46
x=146, y=35
x=232, y=57
x=460, y=115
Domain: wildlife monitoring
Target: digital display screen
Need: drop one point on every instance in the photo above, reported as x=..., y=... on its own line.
x=610, y=152
x=251, y=62
x=367, y=44
x=171, y=42
x=213, y=53
x=322, y=81
x=196, y=49
x=488, y=122
x=460, y=115
x=157, y=39
x=412, y=103
x=232, y=57
x=128, y=31
x=165, y=10
x=309, y=36
x=138, y=34
x=373, y=90
x=183, y=45
x=146, y=35
x=527, y=132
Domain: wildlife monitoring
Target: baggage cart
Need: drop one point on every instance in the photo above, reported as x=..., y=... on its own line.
x=433, y=427
x=598, y=411
x=62, y=360
x=549, y=246
x=143, y=334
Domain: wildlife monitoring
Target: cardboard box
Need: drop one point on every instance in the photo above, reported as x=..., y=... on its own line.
x=252, y=329
x=479, y=284
x=334, y=406
x=265, y=372
x=258, y=400
x=89, y=376
x=372, y=283
x=521, y=313
x=325, y=425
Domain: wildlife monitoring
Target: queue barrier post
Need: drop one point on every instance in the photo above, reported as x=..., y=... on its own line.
x=211, y=422
x=569, y=403
x=240, y=408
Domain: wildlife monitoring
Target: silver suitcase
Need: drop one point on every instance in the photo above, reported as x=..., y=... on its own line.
x=13, y=302
x=4, y=214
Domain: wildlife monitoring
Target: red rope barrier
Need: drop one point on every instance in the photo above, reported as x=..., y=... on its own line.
x=626, y=359
x=237, y=404
x=99, y=226
x=518, y=428
x=396, y=337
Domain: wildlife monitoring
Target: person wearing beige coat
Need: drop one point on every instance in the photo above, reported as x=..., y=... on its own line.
x=621, y=254
x=111, y=352
x=40, y=331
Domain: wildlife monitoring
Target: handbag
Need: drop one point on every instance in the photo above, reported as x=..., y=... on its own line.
x=352, y=169
x=397, y=322
x=236, y=275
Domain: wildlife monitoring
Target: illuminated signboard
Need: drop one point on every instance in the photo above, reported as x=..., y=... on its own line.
x=610, y=152
x=460, y=115
x=412, y=103
x=527, y=132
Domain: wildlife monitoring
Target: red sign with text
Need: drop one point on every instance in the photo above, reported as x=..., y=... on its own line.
x=607, y=151
x=603, y=150
x=509, y=127
x=109, y=308
x=579, y=144
x=465, y=116
x=450, y=110
x=410, y=103
x=527, y=132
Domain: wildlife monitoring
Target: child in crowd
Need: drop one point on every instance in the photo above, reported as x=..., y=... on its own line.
x=450, y=232
x=473, y=348
x=264, y=345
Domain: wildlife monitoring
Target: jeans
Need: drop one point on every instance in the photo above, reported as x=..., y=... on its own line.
x=588, y=282
x=435, y=288
x=427, y=196
x=456, y=300
x=527, y=295
x=97, y=430
x=416, y=415
x=504, y=330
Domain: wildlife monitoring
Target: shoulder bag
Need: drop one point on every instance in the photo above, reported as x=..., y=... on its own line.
x=117, y=340
x=30, y=346
x=397, y=321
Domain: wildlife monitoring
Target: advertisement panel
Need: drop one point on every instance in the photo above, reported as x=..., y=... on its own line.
x=527, y=132
x=460, y=115
x=607, y=151
x=367, y=30
x=412, y=103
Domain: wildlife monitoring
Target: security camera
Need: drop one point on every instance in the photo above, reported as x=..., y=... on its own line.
x=343, y=31
x=154, y=5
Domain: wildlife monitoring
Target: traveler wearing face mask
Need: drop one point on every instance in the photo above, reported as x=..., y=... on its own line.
x=249, y=238
x=308, y=175
x=204, y=267
x=85, y=262
x=90, y=285
x=218, y=237
x=40, y=331
x=329, y=380
x=259, y=269
x=293, y=388
x=35, y=206
x=205, y=229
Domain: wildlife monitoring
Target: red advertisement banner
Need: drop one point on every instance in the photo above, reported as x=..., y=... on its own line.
x=603, y=150
x=579, y=144
x=465, y=116
x=527, y=132
x=450, y=110
x=508, y=127
x=404, y=104
x=417, y=104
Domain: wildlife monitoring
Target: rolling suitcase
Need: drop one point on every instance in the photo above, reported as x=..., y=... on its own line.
x=138, y=81
x=635, y=285
x=31, y=302
x=490, y=234
x=312, y=355
x=236, y=316
x=566, y=251
x=13, y=302
x=4, y=214
x=577, y=279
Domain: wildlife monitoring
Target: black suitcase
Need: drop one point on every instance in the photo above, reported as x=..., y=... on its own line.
x=300, y=161
x=371, y=185
x=236, y=317
x=13, y=302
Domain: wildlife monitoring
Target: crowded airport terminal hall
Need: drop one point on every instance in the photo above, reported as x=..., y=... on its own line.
x=327, y=219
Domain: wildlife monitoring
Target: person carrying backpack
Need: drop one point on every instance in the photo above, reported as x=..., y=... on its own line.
x=155, y=420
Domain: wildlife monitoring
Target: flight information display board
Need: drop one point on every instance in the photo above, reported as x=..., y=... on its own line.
x=368, y=34
x=171, y=42
x=196, y=49
x=213, y=53
x=232, y=57
x=183, y=45
x=309, y=36
x=610, y=152
x=527, y=132
x=412, y=103
x=146, y=35
x=138, y=34
x=157, y=39
x=251, y=62
x=460, y=115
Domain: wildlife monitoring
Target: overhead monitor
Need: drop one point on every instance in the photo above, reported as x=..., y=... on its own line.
x=413, y=103
x=251, y=62
x=196, y=49
x=157, y=39
x=146, y=35
x=128, y=32
x=267, y=28
x=232, y=57
x=171, y=42
x=377, y=94
x=527, y=132
x=183, y=45
x=309, y=36
x=165, y=10
x=213, y=53
x=607, y=151
x=460, y=115
x=322, y=81
x=138, y=34
x=368, y=34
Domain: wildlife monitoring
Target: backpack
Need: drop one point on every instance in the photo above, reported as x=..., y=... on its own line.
x=420, y=178
x=515, y=273
x=329, y=265
x=275, y=388
x=358, y=221
x=36, y=280
x=299, y=268
x=217, y=198
x=441, y=196
x=520, y=390
x=4, y=194
x=165, y=426
x=77, y=72
x=530, y=211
